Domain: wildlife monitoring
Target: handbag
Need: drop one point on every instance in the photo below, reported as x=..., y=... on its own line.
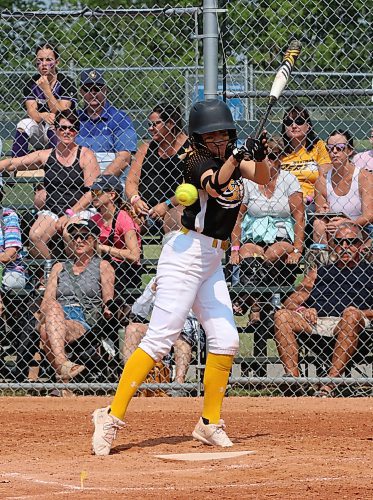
x=92, y=313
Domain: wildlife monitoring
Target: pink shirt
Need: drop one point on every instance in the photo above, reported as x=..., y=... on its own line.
x=124, y=224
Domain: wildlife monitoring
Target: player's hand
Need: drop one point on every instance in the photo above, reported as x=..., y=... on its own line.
x=235, y=257
x=43, y=83
x=159, y=211
x=253, y=149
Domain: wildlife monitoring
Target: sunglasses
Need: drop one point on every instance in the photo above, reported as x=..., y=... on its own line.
x=274, y=155
x=298, y=121
x=93, y=89
x=348, y=241
x=153, y=124
x=83, y=236
x=66, y=128
x=97, y=192
x=339, y=147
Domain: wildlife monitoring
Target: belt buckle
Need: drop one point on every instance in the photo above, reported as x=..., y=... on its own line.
x=184, y=230
x=214, y=243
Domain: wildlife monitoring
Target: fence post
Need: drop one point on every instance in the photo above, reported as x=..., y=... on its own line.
x=210, y=49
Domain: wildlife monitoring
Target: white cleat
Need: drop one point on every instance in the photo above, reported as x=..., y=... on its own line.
x=212, y=434
x=106, y=427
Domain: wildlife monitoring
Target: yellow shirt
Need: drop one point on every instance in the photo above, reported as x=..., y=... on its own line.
x=304, y=165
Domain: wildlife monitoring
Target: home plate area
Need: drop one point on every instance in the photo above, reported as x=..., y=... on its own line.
x=283, y=448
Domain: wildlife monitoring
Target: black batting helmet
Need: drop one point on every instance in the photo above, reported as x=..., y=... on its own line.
x=211, y=116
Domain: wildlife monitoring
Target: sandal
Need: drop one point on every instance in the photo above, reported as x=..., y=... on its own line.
x=69, y=370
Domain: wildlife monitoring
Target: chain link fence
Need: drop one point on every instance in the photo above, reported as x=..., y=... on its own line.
x=69, y=323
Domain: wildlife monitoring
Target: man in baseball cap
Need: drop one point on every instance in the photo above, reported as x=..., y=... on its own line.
x=106, y=130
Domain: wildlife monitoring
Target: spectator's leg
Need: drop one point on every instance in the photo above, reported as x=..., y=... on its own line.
x=347, y=336
x=287, y=325
x=27, y=131
x=43, y=229
x=277, y=251
x=132, y=338
x=319, y=232
x=20, y=144
x=60, y=331
x=183, y=355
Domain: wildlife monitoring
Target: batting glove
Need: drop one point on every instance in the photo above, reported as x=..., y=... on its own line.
x=252, y=149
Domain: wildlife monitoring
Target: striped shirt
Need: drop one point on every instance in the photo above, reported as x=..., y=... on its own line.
x=11, y=227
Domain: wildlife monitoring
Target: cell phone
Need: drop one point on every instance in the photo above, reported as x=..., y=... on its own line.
x=327, y=215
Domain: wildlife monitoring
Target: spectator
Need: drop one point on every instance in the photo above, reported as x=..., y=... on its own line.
x=75, y=298
x=45, y=94
x=305, y=154
x=157, y=168
x=69, y=168
x=120, y=241
x=106, y=130
x=365, y=159
x=189, y=337
x=270, y=223
x=336, y=298
x=346, y=189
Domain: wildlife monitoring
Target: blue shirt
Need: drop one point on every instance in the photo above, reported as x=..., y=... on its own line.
x=112, y=132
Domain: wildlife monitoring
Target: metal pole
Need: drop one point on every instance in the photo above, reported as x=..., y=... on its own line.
x=210, y=49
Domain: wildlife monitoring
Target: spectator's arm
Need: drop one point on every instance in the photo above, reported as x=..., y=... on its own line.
x=366, y=195
x=302, y=292
x=131, y=253
x=236, y=233
x=32, y=111
x=121, y=161
x=32, y=161
x=368, y=313
x=51, y=287
x=9, y=255
x=133, y=179
x=297, y=212
x=107, y=281
x=320, y=195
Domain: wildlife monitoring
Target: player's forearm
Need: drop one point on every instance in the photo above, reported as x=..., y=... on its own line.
x=216, y=183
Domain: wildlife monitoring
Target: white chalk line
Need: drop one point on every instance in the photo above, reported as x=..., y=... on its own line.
x=68, y=488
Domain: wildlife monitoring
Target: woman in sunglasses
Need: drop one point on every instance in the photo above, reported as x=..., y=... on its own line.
x=75, y=297
x=270, y=224
x=346, y=189
x=305, y=154
x=68, y=169
x=157, y=169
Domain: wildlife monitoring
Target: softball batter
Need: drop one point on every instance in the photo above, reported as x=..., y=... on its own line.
x=190, y=275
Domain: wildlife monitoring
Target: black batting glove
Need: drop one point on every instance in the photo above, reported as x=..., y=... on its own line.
x=252, y=149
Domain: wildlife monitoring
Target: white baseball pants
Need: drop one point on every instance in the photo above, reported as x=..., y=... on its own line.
x=190, y=276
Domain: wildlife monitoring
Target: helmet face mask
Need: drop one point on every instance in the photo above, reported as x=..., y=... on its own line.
x=211, y=116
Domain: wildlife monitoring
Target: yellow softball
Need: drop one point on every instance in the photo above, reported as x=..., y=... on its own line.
x=186, y=194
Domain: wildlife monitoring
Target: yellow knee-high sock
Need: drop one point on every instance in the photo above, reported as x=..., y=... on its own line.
x=135, y=371
x=215, y=382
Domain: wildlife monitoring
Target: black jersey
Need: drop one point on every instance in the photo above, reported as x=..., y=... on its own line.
x=63, y=89
x=215, y=217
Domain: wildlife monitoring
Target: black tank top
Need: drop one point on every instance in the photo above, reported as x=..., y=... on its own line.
x=160, y=176
x=64, y=185
x=335, y=289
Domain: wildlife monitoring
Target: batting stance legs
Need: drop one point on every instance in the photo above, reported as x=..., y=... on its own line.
x=189, y=276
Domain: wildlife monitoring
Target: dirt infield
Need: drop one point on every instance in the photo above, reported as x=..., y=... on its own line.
x=305, y=448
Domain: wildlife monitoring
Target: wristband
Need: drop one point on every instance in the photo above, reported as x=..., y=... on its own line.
x=169, y=203
x=235, y=248
x=70, y=213
x=134, y=199
x=300, y=308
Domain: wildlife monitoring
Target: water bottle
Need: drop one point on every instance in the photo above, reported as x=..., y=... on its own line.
x=276, y=301
x=317, y=255
x=47, y=269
